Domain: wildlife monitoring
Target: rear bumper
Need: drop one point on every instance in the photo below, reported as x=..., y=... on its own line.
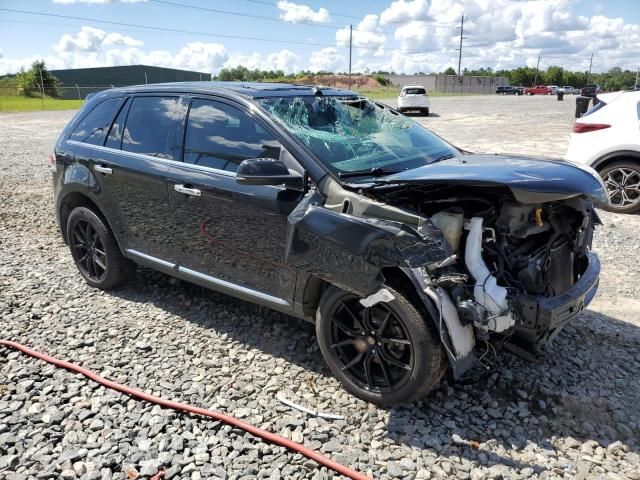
x=543, y=318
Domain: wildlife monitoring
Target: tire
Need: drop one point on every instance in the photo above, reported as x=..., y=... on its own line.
x=95, y=251
x=622, y=180
x=425, y=112
x=406, y=340
x=401, y=110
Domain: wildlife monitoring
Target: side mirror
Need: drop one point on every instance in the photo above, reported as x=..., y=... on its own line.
x=267, y=171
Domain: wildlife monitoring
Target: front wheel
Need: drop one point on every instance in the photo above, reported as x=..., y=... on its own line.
x=425, y=112
x=95, y=251
x=386, y=354
x=622, y=180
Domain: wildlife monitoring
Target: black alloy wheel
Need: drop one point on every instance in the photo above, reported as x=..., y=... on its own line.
x=88, y=251
x=385, y=354
x=95, y=251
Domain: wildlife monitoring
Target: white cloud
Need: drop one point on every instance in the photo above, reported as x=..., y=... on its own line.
x=403, y=11
x=294, y=12
x=119, y=39
x=284, y=60
x=328, y=59
x=367, y=35
x=202, y=57
x=90, y=39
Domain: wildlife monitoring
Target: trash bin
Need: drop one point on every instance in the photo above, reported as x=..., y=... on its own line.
x=582, y=105
x=560, y=94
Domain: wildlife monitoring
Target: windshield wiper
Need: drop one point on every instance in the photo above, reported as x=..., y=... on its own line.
x=446, y=156
x=371, y=172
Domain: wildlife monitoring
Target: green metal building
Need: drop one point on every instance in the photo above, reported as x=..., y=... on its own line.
x=78, y=82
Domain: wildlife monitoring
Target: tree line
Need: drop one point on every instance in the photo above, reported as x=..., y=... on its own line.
x=612, y=80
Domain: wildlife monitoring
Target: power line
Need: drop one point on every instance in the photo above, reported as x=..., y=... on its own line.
x=248, y=15
x=272, y=19
x=191, y=32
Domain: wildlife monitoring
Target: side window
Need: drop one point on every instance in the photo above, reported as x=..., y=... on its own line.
x=220, y=136
x=114, y=138
x=91, y=127
x=148, y=125
x=638, y=109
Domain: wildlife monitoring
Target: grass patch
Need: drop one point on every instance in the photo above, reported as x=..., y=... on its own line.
x=28, y=104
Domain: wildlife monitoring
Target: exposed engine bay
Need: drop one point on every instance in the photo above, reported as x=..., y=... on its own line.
x=511, y=266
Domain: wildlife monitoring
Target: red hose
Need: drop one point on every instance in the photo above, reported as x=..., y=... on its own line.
x=228, y=419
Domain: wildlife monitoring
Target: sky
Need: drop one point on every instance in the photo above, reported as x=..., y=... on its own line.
x=404, y=36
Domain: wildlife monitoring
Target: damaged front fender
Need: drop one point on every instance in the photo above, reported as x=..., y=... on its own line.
x=351, y=253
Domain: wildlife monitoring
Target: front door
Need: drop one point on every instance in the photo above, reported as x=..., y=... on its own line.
x=130, y=176
x=233, y=233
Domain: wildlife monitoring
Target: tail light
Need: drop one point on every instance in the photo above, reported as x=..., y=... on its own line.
x=52, y=162
x=589, y=127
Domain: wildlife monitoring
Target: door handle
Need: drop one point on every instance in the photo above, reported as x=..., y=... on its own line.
x=101, y=169
x=194, y=192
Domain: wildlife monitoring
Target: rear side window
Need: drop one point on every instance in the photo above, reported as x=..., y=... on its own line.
x=93, y=125
x=114, y=138
x=415, y=91
x=594, y=108
x=638, y=110
x=148, y=124
x=220, y=136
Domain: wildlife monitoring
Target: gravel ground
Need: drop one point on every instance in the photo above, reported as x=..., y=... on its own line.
x=572, y=415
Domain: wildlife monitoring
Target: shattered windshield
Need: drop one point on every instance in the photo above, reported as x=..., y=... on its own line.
x=354, y=136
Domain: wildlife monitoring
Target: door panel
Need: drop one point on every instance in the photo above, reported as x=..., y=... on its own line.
x=232, y=232
x=236, y=233
x=132, y=185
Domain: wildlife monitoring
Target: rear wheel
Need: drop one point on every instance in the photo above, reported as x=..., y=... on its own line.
x=95, y=251
x=425, y=112
x=385, y=354
x=622, y=180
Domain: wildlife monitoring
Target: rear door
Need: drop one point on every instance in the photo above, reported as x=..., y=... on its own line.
x=231, y=235
x=129, y=176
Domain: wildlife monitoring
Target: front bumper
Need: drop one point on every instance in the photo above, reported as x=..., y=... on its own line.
x=543, y=318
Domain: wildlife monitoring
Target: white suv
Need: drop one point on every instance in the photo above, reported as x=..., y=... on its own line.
x=607, y=138
x=413, y=97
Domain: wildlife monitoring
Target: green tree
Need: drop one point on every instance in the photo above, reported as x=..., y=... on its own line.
x=554, y=76
x=449, y=71
x=37, y=78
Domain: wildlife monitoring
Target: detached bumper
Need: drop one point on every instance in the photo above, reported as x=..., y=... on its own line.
x=544, y=318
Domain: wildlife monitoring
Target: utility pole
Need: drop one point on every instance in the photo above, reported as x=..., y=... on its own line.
x=461, y=27
x=350, y=46
x=535, y=80
x=42, y=86
x=590, y=64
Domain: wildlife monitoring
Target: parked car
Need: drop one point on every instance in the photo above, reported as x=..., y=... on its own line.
x=569, y=90
x=590, y=90
x=519, y=90
x=537, y=90
x=508, y=90
x=413, y=97
x=406, y=252
x=607, y=138
x=505, y=90
x=554, y=89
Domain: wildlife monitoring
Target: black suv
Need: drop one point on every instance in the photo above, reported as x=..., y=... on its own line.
x=409, y=254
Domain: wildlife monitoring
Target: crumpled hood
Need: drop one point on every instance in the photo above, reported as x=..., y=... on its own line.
x=531, y=180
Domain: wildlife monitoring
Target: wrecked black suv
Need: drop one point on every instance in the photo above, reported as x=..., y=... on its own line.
x=411, y=256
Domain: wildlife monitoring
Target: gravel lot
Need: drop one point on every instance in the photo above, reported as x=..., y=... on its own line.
x=572, y=415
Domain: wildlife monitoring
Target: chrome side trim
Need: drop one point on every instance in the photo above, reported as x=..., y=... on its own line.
x=232, y=286
x=209, y=279
x=149, y=258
